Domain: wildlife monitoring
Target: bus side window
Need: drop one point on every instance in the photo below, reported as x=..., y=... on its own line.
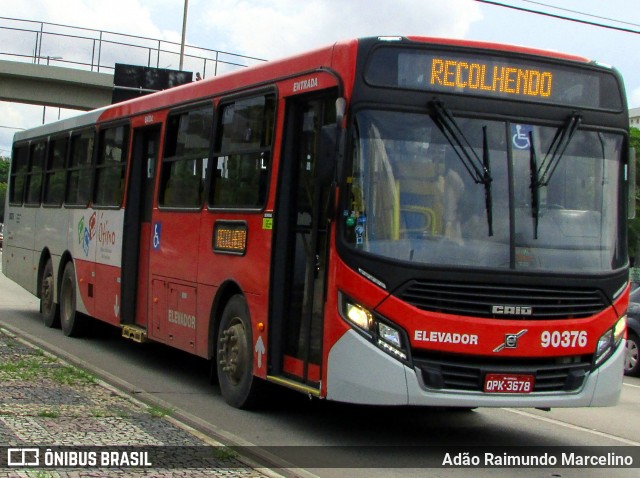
x=79, y=171
x=54, y=172
x=36, y=169
x=19, y=168
x=243, y=153
x=111, y=166
x=186, y=153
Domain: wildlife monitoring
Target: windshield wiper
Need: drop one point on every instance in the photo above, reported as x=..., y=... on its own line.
x=478, y=169
x=558, y=146
x=535, y=185
x=486, y=161
x=541, y=176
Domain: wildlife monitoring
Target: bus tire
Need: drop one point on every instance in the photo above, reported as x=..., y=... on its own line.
x=234, y=359
x=48, y=306
x=69, y=317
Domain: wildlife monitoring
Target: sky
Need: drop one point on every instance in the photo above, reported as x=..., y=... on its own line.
x=272, y=29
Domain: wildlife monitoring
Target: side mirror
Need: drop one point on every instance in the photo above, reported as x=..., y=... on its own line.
x=326, y=154
x=329, y=148
x=341, y=109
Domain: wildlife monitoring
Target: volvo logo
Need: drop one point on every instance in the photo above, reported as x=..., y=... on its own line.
x=512, y=310
x=510, y=341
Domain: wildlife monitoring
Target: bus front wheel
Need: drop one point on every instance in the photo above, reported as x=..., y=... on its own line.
x=69, y=318
x=48, y=306
x=234, y=360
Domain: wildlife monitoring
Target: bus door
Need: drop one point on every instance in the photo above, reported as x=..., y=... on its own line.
x=137, y=226
x=300, y=246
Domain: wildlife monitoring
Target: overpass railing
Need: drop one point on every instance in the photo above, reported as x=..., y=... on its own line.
x=99, y=50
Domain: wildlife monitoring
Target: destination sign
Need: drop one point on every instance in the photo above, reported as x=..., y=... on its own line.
x=498, y=76
x=505, y=79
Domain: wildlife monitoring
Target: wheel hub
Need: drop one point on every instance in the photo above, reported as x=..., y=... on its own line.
x=233, y=356
x=47, y=294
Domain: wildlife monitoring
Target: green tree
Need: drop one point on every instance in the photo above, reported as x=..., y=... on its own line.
x=4, y=169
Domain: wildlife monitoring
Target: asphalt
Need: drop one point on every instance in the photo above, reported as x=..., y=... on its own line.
x=64, y=418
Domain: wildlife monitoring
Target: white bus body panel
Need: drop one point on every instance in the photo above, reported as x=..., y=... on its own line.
x=90, y=236
x=359, y=372
x=29, y=230
x=95, y=238
x=18, y=246
x=51, y=234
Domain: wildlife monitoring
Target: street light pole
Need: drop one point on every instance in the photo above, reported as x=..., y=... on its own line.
x=184, y=32
x=44, y=108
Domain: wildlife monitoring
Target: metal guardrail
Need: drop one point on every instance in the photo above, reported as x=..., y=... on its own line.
x=99, y=50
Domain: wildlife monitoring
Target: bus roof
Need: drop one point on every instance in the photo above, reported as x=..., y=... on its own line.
x=260, y=74
x=227, y=83
x=73, y=123
x=500, y=47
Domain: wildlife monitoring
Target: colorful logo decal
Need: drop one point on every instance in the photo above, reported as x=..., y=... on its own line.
x=86, y=232
x=80, y=230
x=86, y=242
x=92, y=226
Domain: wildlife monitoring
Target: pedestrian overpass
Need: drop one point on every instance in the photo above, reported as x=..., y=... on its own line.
x=33, y=71
x=54, y=86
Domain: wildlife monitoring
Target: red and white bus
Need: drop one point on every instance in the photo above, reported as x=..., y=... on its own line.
x=394, y=221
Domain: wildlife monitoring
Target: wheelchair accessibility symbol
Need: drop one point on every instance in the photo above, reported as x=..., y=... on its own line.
x=157, y=234
x=521, y=136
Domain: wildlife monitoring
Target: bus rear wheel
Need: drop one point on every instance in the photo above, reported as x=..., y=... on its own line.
x=69, y=318
x=48, y=306
x=234, y=360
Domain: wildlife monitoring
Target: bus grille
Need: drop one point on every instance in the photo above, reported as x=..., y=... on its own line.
x=478, y=300
x=464, y=373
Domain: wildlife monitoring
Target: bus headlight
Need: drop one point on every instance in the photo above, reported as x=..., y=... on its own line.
x=375, y=328
x=389, y=334
x=359, y=316
x=610, y=340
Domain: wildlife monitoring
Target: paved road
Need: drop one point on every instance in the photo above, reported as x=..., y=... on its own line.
x=177, y=379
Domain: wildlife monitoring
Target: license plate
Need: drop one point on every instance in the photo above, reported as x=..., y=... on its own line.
x=508, y=383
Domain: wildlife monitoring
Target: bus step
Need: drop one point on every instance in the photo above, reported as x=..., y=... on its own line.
x=135, y=333
x=300, y=387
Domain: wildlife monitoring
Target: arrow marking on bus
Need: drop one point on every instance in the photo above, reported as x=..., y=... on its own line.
x=260, y=350
x=116, y=307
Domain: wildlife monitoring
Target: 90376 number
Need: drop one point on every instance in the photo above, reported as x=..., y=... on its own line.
x=563, y=339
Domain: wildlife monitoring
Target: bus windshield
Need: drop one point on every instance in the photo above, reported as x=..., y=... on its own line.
x=493, y=194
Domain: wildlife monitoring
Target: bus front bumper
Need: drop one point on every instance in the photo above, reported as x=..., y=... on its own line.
x=359, y=372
